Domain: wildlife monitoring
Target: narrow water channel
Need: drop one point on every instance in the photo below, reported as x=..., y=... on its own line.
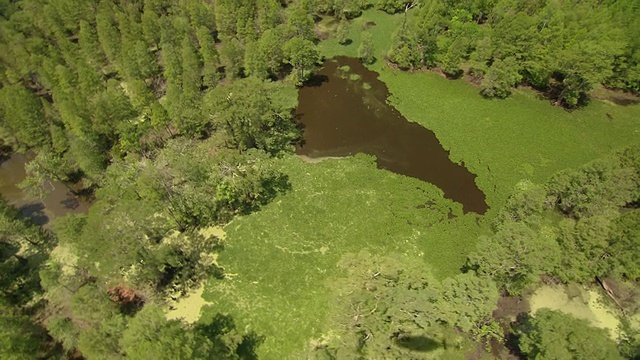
x=344, y=112
x=58, y=202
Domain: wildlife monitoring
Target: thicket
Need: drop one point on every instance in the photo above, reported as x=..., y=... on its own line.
x=581, y=225
x=562, y=48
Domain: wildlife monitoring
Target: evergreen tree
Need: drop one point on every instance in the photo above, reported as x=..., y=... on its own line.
x=300, y=23
x=19, y=338
x=108, y=35
x=90, y=46
x=22, y=122
x=210, y=57
x=191, y=71
x=232, y=57
x=268, y=14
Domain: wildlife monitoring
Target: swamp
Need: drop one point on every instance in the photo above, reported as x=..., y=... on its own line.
x=316, y=179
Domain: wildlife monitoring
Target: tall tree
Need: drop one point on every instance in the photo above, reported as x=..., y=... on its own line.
x=22, y=122
x=108, y=34
x=501, y=77
x=303, y=56
x=253, y=114
x=210, y=57
x=300, y=23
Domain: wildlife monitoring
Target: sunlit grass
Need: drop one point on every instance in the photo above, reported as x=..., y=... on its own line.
x=507, y=141
x=281, y=258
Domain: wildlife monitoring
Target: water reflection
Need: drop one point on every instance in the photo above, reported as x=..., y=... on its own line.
x=58, y=201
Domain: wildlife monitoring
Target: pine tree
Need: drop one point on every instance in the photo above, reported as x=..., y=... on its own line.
x=210, y=57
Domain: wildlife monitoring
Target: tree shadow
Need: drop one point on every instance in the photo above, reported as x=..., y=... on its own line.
x=217, y=325
x=35, y=213
x=633, y=205
x=553, y=92
x=368, y=25
x=623, y=101
x=418, y=343
x=70, y=202
x=222, y=326
x=373, y=61
x=454, y=75
x=512, y=339
x=249, y=345
x=316, y=80
x=300, y=126
x=20, y=280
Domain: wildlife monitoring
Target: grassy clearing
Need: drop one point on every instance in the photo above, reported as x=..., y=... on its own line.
x=507, y=141
x=281, y=258
x=385, y=26
x=502, y=141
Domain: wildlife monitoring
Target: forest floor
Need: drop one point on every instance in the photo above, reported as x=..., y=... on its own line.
x=280, y=261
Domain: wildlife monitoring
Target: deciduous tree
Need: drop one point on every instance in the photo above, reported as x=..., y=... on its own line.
x=303, y=56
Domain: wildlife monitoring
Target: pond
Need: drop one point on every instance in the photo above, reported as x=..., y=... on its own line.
x=344, y=111
x=58, y=201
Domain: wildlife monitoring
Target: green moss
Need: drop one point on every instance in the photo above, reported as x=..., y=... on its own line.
x=507, y=141
x=355, y=77
x=581, y=303
x=188, y=307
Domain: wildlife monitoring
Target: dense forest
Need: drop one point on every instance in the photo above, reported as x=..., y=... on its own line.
x=563, y=48
x=171, y=116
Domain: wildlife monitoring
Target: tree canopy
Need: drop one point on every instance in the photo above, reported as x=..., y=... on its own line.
x=564, y=48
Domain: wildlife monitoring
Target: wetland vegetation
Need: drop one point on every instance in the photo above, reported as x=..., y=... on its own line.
x=319, y=179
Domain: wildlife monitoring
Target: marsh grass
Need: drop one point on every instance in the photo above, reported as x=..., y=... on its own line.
x=282, y=259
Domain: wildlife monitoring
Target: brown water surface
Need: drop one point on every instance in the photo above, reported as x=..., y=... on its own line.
x=345, y=112
x=59, y=200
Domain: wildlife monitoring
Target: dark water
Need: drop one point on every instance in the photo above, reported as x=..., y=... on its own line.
x=59, y=200
x=342, y=116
